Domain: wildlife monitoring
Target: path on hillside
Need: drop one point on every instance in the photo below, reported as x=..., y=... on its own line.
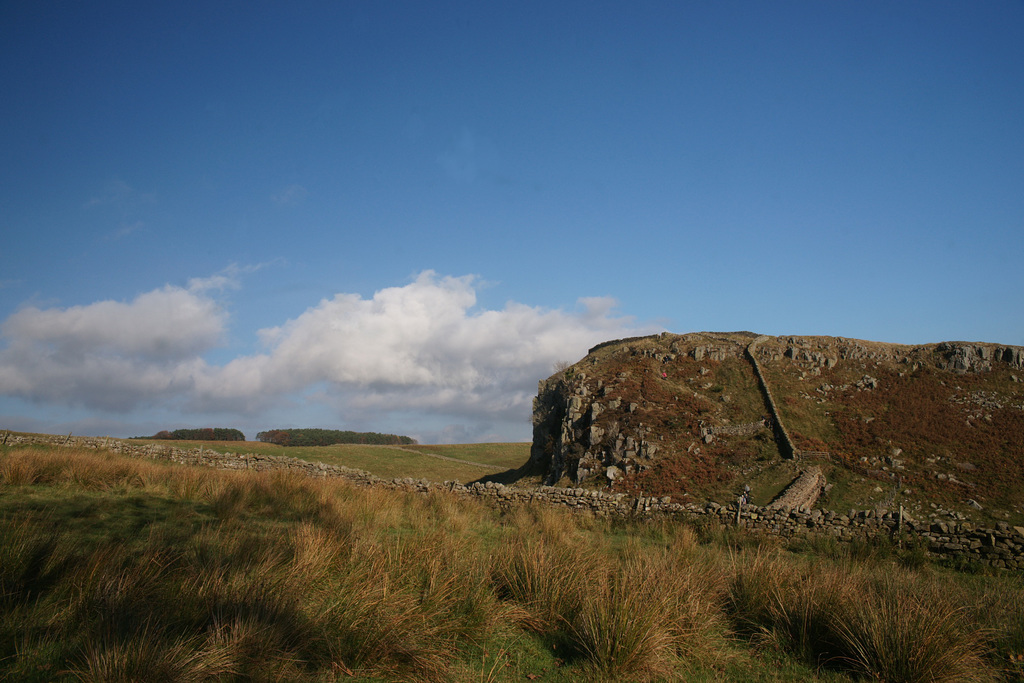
x=445, y=457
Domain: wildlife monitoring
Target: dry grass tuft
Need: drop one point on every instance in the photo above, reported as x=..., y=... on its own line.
x=895, y=631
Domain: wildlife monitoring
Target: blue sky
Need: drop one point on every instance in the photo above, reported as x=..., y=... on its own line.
x=397, y=216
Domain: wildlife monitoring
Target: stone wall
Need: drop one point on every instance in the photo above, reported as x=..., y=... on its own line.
x=786, y=447
x=1001, y=547
x=803, y=493
x=744, y=429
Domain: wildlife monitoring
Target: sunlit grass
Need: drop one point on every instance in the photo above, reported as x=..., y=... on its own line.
x=121, y=569
x=389, y=462
x=500, y=455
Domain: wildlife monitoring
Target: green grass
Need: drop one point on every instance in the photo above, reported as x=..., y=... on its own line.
x=121, y=569
x=802, y=416
x=499, y=455
x=766, y=484
x=745, y=401
x=389, y=462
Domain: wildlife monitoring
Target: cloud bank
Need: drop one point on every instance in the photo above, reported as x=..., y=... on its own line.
x=111, y=355
x=423, y=349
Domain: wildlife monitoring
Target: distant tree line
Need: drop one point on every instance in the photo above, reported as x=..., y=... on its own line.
x=204, y=434
x=327, y=437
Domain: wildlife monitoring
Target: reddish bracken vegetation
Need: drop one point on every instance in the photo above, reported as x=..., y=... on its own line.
x=932, y=418
x=808, y=443
x=676, y=476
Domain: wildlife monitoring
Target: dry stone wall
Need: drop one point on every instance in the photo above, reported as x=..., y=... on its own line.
x=1002, y=547
x=745, y=429
x=786, y=447
x=803, y=493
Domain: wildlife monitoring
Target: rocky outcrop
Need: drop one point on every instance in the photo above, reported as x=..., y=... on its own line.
x=959, y=357
x=567, y=439
x=592, y=424
x=963, y=358
x=689, y=407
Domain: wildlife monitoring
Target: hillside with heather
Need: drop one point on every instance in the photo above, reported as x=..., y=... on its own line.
x=937, y=429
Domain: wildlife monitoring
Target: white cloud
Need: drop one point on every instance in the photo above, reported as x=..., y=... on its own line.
x=120, y=198
x=116, y=193
x=122, y=205
x=225, y=279
x=110, y=354
x=420, y=349
x=163, y=324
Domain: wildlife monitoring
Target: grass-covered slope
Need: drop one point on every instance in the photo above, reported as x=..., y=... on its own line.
x=114, y=570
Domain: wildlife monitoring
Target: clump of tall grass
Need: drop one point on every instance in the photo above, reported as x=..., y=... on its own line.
x=896, y=631
x=18, y=469
x=621, y=628
x=631, y=616
x=842, y=617
x=995, y=608
x=318, y=582
x=92, y=470
x=364, y=620
x=639, y=616
x=32, y=560
x=277, y=494
x=144, y=656
x=785, y=604
x=544, y=580
x=549, y=524
x=265, y=606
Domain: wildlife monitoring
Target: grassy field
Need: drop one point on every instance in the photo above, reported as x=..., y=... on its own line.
x=504, y=456
x=389, y=462
x=117, y=569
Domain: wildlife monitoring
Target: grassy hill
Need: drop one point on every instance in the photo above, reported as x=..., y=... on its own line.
x=118, y=569
x=938, y=429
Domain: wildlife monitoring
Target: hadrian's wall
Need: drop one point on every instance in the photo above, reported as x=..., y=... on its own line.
x=1001, y=547
x=786, y=447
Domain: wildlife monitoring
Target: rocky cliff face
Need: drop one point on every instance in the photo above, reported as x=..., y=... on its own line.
x=569, y=439
x=604, y=417
x=691, y=408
